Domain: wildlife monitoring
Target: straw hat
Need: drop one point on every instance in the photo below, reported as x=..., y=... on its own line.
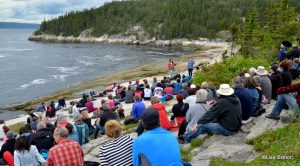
x=225, y=90
x=261, y=71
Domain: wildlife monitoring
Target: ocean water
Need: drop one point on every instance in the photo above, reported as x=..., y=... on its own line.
x=29, y=70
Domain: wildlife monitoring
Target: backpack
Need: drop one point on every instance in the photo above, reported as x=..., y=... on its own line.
x=44, y=153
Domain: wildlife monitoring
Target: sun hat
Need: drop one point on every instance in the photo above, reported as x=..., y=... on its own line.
x=193, y=86
x=225, y=90
x=261, y=71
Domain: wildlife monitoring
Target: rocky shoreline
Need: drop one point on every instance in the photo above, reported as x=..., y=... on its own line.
x=134, y=36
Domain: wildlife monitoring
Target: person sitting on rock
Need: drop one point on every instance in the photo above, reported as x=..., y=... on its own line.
x=105, y=116
x=164, y=120
x=184, y=90
x=179, y=110
x=177, y=86
x=244, y=95
x=73, y=135
x=286, y=96
x=61, y=103
x=224, y=118
x=90, y=105
x=195, y=112
x=157, y=146
x=9, y=146
x=118, y=145
x=265, y=83
x=129, y=95
x=137, y=109
x=275, y=79
x=158, y=91
x=42, y=139
x=82, y=129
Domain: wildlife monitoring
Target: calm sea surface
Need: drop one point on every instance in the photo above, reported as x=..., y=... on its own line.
x=32, y=69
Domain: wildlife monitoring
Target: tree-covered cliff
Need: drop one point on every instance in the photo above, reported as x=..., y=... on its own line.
x=164, y=19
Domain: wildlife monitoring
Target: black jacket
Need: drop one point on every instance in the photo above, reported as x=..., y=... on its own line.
x=276, y=83
x=8, y=146
x=43, y=139
x=179, y=110
x=106, y=116
x=227, y=112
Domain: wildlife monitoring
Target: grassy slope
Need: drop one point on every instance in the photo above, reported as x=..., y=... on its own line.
x=284, y=141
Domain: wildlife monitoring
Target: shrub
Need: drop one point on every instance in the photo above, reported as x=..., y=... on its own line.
x=223, y=72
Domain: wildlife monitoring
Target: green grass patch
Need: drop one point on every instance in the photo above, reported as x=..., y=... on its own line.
x=186, y=154
x=281, y=142
x=223, y=72
x=16, y=127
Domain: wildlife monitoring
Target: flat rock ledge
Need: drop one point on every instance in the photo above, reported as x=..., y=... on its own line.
x=233, y=148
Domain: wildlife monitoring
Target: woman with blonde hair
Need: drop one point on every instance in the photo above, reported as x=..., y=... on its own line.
x=118, y=151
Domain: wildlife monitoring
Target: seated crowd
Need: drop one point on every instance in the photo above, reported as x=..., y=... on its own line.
x=200, y=109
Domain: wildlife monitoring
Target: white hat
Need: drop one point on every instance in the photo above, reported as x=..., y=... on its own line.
x=261, y=71
x=193, y=86
x=225, y=90
x=247, y=75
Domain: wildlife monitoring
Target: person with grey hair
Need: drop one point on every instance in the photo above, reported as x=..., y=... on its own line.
x=210, y=96
x=244, y=95
x=137, y=109
x=66, y=151
x=43, y=138
x=195, y=112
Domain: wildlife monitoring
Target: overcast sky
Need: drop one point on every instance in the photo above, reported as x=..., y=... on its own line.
x=34, y=11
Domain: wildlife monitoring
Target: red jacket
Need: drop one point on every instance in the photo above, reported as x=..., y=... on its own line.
x=291, y=88
x=164, y=121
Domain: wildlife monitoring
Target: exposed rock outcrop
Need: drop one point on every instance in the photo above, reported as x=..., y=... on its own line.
x=133, y=36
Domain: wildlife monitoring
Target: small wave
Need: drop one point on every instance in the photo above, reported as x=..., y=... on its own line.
x=67, y=70
x=160, y=53
x=59, y=77
x=3, y=55
x=111, y=57
x=86, y=63
x=38, y=81
x=16, y=49
x=34, y=82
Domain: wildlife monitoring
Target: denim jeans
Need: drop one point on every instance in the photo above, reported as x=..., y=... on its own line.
x=97, y=128
x=214, y=128
x=288, y=99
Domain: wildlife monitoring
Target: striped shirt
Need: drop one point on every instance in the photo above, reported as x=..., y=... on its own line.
x=117, y=152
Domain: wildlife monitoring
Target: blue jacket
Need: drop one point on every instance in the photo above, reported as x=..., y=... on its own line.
x=137, y=109
x=244, y=95
x=159, y=146
x=191, y=64
x=177, y=87
x=281, y=55
x=254, y=97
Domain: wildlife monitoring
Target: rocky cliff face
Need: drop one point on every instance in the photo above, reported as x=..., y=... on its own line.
x=133, y=36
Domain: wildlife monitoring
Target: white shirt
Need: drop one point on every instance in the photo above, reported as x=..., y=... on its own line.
x=147, y=92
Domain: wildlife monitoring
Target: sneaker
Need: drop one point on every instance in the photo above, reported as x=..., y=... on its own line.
x=271, y=116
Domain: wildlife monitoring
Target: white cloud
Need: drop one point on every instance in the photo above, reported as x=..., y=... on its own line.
x=34, y=11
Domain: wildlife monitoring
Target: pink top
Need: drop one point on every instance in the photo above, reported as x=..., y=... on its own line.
x=90, y=106
x=111, y=104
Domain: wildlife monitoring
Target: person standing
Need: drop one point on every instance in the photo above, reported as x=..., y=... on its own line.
x=171, y=67
x=190, y=66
